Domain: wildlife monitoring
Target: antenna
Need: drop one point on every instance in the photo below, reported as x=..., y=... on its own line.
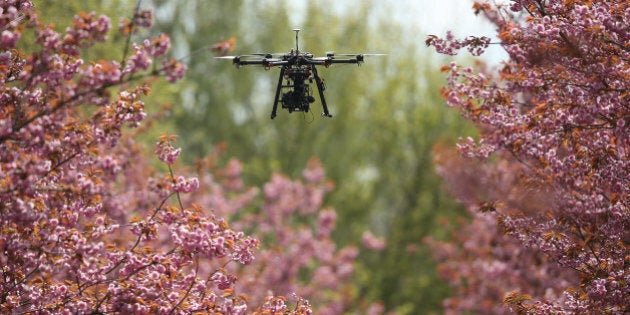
x=296, y=30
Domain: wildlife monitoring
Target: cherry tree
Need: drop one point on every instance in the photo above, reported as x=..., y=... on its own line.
x=91, y=224
x=549, y=200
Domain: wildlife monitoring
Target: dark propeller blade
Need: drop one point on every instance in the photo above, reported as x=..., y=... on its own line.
x=267, y=55
x=367, y=55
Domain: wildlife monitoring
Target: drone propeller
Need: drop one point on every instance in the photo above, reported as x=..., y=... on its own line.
x=266, y=58
x=354, y=55
x=268, y=55
x=255, y=55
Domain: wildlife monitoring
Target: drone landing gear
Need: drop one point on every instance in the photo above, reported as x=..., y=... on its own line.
x=275, y=101
x=321, y=87
x=298, y=98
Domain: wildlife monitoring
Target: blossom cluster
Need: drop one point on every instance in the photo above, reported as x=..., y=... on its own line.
x=278, y=305
x=297, y=255
x=165, y=150
x=555, y=116
x=450, y=45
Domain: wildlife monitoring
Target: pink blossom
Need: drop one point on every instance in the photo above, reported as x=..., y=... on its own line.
x=326, y=222
x=222, y=281
x=185, y=185
x=372, y=242
x=274, y=305
x=8, y=39
x=173, y=69
x=157, y=46
x=314, y=171
x=139, y=60
x=143, y=18
x=166, y=152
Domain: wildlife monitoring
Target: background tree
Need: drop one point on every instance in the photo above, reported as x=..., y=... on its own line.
x=553, y=132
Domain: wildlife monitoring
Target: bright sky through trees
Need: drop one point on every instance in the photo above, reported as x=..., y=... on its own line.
x=422, y=17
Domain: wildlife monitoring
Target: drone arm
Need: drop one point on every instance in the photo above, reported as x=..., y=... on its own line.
x=262, y=62
x=248, y=62
x=346, y=60
x=330, y=60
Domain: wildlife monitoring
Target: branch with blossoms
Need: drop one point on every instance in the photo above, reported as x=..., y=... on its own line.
x=554, y=116
x=449, y=45
x=59, y=67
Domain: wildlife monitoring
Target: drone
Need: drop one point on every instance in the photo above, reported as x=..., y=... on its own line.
x=297, y=71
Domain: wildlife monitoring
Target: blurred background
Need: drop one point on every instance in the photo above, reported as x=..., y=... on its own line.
x=388, y=115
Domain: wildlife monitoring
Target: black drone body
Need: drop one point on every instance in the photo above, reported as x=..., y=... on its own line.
x=297, y=71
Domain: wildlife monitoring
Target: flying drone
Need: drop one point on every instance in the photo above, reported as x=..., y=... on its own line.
x=297, y=71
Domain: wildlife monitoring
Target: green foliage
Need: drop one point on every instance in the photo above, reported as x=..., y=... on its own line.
x=404, y=197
